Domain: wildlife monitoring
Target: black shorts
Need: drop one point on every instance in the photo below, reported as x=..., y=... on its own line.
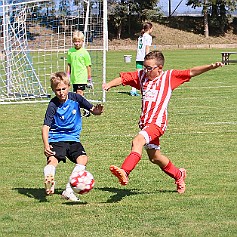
x=81, y=87
x=71, y=150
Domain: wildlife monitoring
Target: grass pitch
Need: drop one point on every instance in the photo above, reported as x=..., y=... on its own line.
x=201, y=137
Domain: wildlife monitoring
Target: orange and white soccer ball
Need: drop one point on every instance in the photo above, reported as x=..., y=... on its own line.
x=82, y=182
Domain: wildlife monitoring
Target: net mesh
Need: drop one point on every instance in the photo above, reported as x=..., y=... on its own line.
x=34, y=39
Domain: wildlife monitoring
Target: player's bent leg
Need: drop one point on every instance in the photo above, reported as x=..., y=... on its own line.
x=120, y=174
x=168, y=167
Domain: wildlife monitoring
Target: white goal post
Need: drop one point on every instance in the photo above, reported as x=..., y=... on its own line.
x=34, y=39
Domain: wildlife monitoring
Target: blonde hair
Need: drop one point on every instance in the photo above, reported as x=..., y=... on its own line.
x=58, y=77
x=78, y=36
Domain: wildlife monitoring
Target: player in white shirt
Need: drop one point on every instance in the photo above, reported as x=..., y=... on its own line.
x=143, y=47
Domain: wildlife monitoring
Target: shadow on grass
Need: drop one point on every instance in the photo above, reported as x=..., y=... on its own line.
x=39, y=194
x=119, y=194
x=36, y=193
x=124, y=92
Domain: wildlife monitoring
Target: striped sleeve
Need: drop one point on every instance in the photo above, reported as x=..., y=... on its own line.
x=131, y=79
x=179, y=77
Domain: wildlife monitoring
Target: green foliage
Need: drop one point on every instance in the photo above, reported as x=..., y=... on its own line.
x=219, y=12
x=126, y=14
x=201, y=137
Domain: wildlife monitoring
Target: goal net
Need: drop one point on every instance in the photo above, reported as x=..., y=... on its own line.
x=34, y=39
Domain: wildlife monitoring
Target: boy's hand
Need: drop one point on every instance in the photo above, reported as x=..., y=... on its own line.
x=97, y=110
x=90, y=84
x=48, y=152
x=217, y=64
x=105, y=86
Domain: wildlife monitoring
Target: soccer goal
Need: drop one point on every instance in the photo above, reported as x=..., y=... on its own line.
x=34, y=39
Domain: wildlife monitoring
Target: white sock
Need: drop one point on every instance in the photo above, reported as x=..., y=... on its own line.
x=68, y=188
x=134, y=89
x=78, y=168
x=49, y=169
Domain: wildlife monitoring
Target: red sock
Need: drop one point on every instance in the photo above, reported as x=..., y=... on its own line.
x=172, y=170
x=130, y=162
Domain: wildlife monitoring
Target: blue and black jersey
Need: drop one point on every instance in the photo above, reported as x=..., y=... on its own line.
x=64, y=119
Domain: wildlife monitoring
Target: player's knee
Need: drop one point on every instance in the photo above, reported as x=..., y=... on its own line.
x=156, y=159
x=139, y=140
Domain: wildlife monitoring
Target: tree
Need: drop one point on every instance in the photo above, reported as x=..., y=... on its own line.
x=120, y=13
x=215, y=14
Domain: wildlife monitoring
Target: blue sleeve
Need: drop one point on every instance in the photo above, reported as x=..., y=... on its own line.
x=83, y=102
x=50, y=112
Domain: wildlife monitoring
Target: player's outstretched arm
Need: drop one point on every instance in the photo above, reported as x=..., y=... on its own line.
x=97, y=109
x=195, y=71
x=115, y=82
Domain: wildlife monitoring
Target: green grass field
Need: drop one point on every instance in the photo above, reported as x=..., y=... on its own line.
x=201, y=137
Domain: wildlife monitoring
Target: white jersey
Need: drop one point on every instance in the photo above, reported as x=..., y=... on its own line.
x=143, y=41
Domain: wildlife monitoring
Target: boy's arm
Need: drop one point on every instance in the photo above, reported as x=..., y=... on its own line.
x=115, y=82
x=89, y=72
x=195, y=71
x=45, y=135
x=147, y=49
x=68, y=69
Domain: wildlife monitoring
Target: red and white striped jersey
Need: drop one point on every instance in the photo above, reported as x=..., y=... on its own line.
x=155, y=93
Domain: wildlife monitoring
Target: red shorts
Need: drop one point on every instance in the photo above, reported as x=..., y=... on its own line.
x=152, y=133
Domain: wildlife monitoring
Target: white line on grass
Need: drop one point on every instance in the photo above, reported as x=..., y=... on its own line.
x=220, y=123
x=199, y=132
x=206, y=87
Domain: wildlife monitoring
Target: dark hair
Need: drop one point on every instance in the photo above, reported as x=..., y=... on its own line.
x=157, y=55
x=147, y=26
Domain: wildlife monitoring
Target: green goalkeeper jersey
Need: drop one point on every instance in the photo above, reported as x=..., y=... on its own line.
x=79, y=60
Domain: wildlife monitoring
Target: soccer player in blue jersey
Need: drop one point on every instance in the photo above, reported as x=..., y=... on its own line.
x=61, y=131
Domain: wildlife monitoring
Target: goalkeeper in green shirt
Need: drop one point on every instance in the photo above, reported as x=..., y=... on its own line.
x=79, y=66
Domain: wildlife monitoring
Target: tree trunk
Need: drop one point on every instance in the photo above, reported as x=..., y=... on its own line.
x=119, y=31
x=205, y=15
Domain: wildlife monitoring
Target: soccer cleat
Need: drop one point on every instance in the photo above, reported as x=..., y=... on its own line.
x=69, y=195
x=120, y=174
x=134, y=93
x=49, y=184
x=180, y=182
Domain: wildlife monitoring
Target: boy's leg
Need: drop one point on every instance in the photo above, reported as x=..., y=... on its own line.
x=76, y=150
x=130, y=161
x=169, y=168
x=49, y=174
x=139, y=66
x=128, y=165
x=68, y=193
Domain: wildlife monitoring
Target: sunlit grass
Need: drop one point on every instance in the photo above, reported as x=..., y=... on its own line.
x=201, y=137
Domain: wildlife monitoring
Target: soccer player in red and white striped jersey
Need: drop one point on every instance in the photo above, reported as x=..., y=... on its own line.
x=156, y=87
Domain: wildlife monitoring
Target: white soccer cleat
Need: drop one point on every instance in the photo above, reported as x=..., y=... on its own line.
x=70, y=196
x=49, y=184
